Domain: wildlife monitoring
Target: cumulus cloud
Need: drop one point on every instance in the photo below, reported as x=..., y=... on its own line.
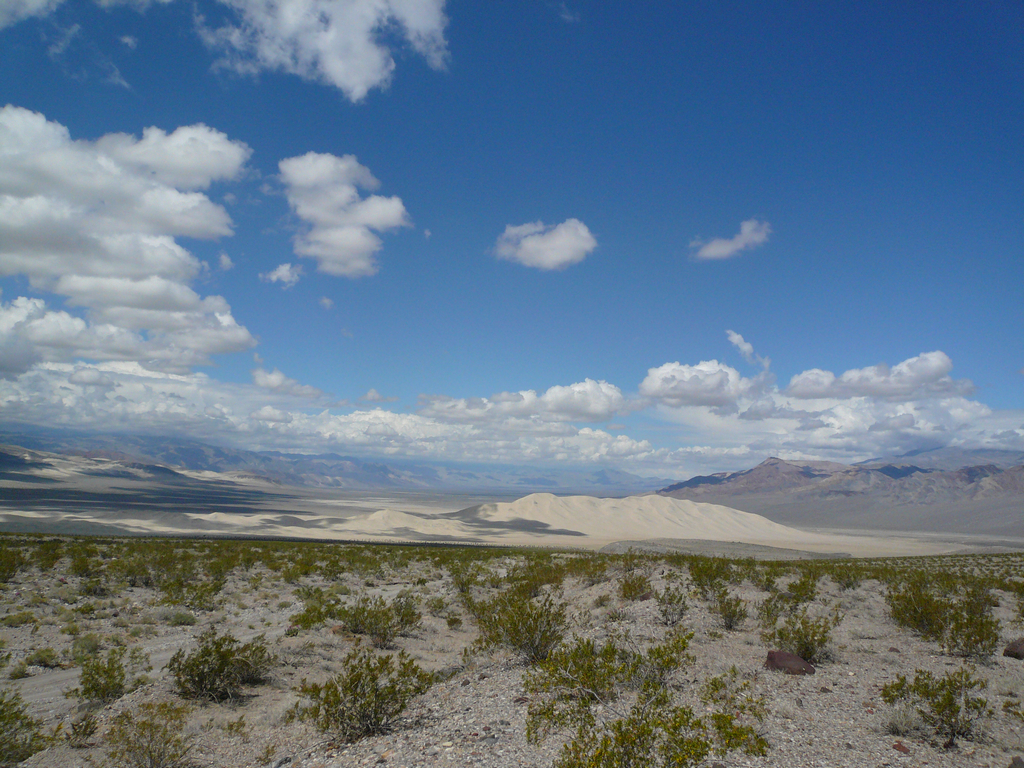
x=546, y=247
x=277, y=382
x=709, y=383
x=326, y=303
x=339, y=224
x=587, y=400
x=286, y=274
x=342, y=44
x=224, y=262
x=926, y=375
x=752, y=233
x=96, y=222
x=271, y=414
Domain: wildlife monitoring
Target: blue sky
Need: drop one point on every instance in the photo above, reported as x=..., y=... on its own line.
x=669, y=238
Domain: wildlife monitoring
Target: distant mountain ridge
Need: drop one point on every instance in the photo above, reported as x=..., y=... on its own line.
x=328, y=470
x=984, y=498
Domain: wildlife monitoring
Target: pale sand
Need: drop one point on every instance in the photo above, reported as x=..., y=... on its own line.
x=538, y=520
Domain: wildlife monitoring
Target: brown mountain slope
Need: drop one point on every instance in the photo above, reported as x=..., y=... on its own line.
x=981, y=499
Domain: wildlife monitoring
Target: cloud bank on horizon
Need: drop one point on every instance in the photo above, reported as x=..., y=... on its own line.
x=131, y=264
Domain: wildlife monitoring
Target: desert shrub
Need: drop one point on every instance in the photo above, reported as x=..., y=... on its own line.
x=959, y=618
x=945, y=703
x=20, y=734
x=84, y=647
x=152, y=736
x=381, y=622
x=635, y=586
x=709, y=574
x=19, y=671
x=11, y=561
x=220, y=666
x=106, y=679
x=95, y=587
x=732, y=610
x=197, y=595
x=530, y=627
x=805, y=588
x=913, y=604
x=435, y=605
x=454, y=621
x=365, y=698
x=672, y=605
x=19, y=619
x=807, y=636
x=181, y=619
x=44, y=657
x=578, y=689
x=971, y=629
x=48, y=554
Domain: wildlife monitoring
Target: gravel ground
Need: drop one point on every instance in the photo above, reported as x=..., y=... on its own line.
x=477, y=716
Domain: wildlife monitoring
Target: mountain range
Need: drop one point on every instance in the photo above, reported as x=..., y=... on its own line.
x=896, y=493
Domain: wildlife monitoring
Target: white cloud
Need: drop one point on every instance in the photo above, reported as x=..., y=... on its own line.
x=747, y=350
x=277, y=382
x=96, y=222
x=287, y=274
x=129, y=41
x=327, y=41
x=224, y=262
x=323, y=190
x=926, y=375
x=270, y=414
x=546, y=247
x=752, y=233
x=709, y=383
x=326, y=303
x=588, y=400
x=373, y=396
x=13, y=11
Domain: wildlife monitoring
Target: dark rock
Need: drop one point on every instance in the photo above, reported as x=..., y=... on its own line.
x=790, y=663
x=825, y=689
x=521, y=700
x=893, y=649
x=899, y=746
x=1015, y=650
x=1017, y=762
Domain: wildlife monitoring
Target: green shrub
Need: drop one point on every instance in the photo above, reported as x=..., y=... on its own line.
x=365, y=698
x=808, y=637
x=181, y=619
x=220, y=666
x=19, y=671
x=19, y=619
x=84, y=647
x=709, y=574
x=730, y=609
x=960, y=619
x=20, y=735
x=44, y=657
x=11, y=561
x=635, y=586
x=672, y=606
x=106, y=679
x=152, y=736
x=454, y=621
x=79, y=734
x=577, y=689
x=945, y=703
x=530, y=627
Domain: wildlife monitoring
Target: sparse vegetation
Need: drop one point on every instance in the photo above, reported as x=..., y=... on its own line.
x=946, y=703
x=20, y=735
x=94, y=602
x=219, y=668
x=152, y=736
x=365, y=698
